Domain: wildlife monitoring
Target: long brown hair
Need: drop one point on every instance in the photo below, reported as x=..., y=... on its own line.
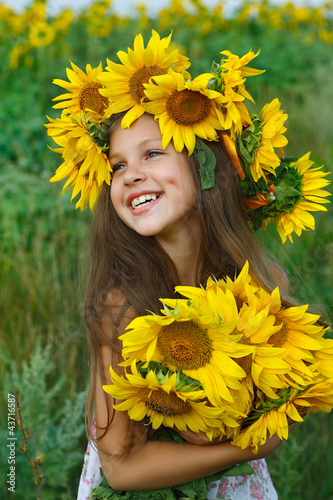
x=139, y=268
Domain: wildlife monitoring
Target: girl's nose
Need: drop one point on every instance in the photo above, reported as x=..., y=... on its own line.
x=134, y=174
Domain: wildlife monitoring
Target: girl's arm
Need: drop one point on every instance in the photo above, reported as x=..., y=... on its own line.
x=157, y=464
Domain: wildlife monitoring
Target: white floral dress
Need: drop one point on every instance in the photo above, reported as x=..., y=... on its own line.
x=257, y=486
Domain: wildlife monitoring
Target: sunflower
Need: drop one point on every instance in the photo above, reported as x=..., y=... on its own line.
x=230, y=76
x=85, y=163
x=324, y=359
x=185, y=340
x=266, y=367
x=270, y=130
x=299, y=219
x=184, y=109
x=239, y=286
x=162, y=403
x=299, y=333
x=226, y=302
x=235, y=111
x=84, y=91
x=88, y=190
x=124, y=83
x=41, y=34
x=292, y=405
x=236, y=63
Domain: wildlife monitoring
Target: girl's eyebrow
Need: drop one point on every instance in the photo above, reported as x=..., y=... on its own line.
x=142, y=144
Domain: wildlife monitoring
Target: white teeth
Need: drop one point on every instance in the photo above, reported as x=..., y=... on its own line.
x=143, y=200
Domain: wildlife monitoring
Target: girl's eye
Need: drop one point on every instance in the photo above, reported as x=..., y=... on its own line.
x=152, y=154
x=118, y=166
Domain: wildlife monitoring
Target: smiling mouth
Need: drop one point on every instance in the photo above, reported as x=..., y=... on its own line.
x=143, y=200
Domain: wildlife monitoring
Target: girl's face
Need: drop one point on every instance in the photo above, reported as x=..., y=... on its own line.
x=152, y=189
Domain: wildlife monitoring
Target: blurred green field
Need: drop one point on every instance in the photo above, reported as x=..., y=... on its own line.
x=43, y=255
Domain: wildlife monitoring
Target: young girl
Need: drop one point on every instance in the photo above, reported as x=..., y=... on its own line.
x=156, y=225
x=139, y=253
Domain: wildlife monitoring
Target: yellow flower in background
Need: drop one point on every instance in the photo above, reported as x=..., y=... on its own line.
x=184, y=340
x=184, y=109
x=63, y=21
x=101, y=27
x=16, y=23
x=162, y=403
x=272, y=129
x=124, y=83
x=16, y=53
x=303, y=14
x=41, y=34
x=85, y=164
x=6, y=13
x=84, y=91
x=35, y=14
x=99, y=23
x=299, y=219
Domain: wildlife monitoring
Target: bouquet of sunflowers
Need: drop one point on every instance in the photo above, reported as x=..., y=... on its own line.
x=227, y=360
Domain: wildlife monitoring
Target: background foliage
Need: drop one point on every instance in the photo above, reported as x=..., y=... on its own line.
x=44, y=242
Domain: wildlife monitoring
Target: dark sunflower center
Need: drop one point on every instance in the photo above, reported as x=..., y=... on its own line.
x=239, y=302
x=90, y=98
x=302, y=410
x=280, y=337
x=141, y=76
x=188, y=107
x=161, y=402
x=185, y=345
x=246, y=361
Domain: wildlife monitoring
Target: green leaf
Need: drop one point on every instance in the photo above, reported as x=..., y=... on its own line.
x=207, y=161
x=239, y=470
x=244, y=152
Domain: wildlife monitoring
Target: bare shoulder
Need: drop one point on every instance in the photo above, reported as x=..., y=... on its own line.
x=117, y=304
x=117, y=314
x=280, y=277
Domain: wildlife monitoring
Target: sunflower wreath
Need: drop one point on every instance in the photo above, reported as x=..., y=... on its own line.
x=154, y=79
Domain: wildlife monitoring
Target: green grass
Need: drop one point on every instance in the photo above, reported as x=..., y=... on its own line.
x=301, y=468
